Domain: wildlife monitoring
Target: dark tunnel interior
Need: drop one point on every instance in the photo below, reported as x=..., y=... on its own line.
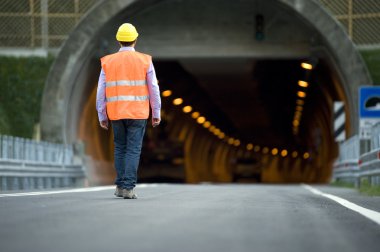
x=231, y=120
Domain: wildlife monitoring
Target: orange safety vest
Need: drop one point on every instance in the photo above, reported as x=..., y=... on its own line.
x=127, y=94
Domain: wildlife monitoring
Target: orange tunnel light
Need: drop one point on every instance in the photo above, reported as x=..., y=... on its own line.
x=306, y=66
x=274, y=151
x=166, y=93
x=237, y=142
x=249, y=146
x=187, y=109
x=284, y=153
x=195, y=115
x=178, y=101
x=206, y=124
x=301, y=94
x=303, y=84
x=201, y=119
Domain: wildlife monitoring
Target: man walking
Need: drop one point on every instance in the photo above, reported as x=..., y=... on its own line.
x=127, y=83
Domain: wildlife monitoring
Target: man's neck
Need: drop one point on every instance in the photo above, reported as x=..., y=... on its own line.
x=127, y=48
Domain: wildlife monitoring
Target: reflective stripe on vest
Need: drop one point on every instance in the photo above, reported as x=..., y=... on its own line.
x=127, y=93
x=127, y=98
x=126, y=83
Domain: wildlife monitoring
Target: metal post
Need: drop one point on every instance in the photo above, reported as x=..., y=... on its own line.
x=40, y=183
x=32, y=28
x=57, y=182
x=31, y=183
x=13, y=148
x=44, y=24
x=15, y=183
x=27, y=150
x=65, y=182
x=40, y=152
x=76, y=10
x=350, y=19
x=4, y=184
x=25, y=183
x=49, y=183
x=5, y=147
x=365, y=146
x=8, y=147
x=17, y=148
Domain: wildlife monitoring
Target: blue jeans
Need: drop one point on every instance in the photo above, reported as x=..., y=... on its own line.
x=128, y=136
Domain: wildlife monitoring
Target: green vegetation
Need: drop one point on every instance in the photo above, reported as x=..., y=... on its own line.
x=371, y=190
x=372, y=59
x=22, y=82
x=343, y=184
x=4, y=121
x=365, y=187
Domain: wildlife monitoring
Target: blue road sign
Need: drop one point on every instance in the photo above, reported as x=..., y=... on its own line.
x=369, y=102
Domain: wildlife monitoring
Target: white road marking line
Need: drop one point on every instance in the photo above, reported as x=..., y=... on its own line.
x=89, y=189
x=147, y=185
x=78, y=190
x=370, y=214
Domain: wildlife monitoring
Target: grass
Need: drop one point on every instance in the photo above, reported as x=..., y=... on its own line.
x=343, y=184
x=367, y=189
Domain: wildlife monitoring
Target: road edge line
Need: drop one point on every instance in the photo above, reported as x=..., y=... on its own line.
x=368, y=213
x=74, y=190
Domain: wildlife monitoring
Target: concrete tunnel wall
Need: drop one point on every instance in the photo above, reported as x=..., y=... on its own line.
x=67, y=86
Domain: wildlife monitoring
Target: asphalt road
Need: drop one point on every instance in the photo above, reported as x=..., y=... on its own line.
x=189, y=218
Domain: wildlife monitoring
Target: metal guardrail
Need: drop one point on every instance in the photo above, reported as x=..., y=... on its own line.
x=346, y=167
x=370, y=166
x=349, y=149
x=352, y=167
x=16, y=148
x=375, y=139
x=370, y=162
x=26, y=164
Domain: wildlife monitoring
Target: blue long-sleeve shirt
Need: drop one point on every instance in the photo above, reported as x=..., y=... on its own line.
x=154, y=91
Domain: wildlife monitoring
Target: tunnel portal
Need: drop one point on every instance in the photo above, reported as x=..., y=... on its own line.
x=247, y=89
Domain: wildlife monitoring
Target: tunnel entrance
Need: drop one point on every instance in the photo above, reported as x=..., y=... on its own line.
x=245, y=97
x=249, y=109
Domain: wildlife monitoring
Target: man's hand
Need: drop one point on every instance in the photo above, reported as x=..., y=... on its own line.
x=104, y=124
x=155, y=121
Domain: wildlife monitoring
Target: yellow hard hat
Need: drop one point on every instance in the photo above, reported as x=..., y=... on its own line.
x=126, y=33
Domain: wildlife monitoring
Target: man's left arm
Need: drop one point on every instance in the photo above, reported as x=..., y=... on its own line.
x=154, y=95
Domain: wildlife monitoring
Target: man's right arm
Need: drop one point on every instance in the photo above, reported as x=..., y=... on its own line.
x=101, y=100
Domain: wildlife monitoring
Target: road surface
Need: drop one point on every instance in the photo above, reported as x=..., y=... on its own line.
x=189, y=218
